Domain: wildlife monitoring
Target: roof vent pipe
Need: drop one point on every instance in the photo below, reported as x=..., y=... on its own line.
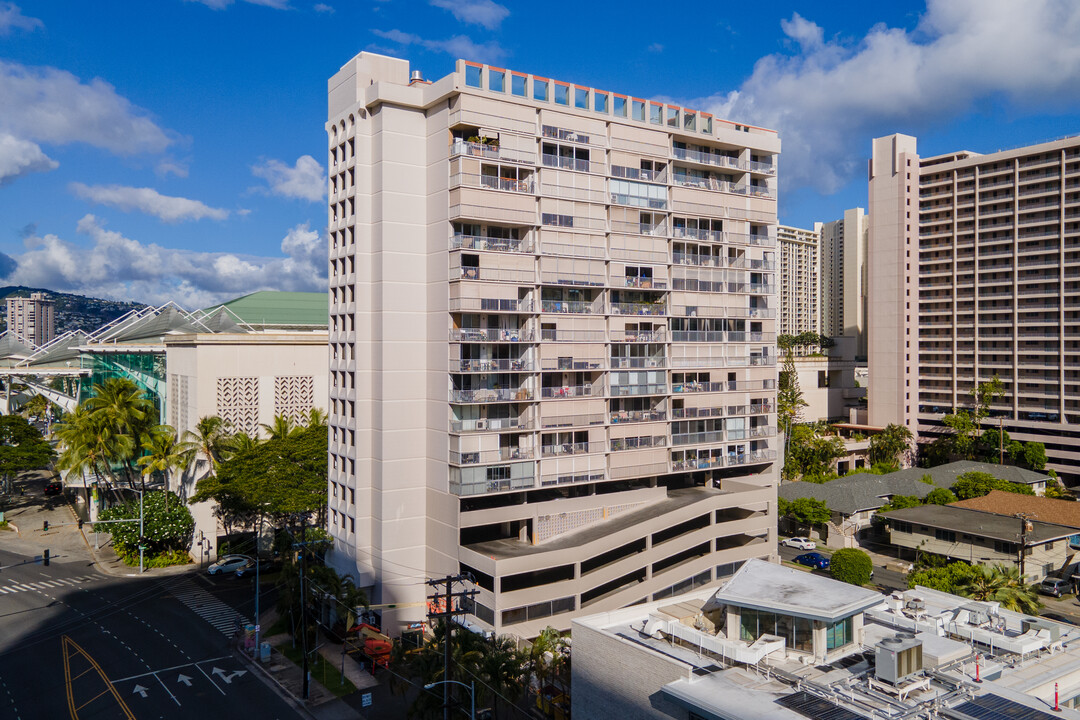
x=416, y=76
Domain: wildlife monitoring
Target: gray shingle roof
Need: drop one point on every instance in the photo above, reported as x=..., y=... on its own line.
x=863, y=491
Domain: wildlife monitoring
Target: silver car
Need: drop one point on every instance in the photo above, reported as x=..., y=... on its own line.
x=228, y=564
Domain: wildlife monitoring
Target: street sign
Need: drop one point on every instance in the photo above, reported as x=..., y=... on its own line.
x=365, y=700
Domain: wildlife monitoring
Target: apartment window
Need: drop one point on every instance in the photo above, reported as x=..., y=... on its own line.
x=618, y=105
x=600, y=102
x=334, y=487
x=562, y=94
x=901, y=526
x=945, y=535
x=540, y=90
x=473, y=76
x=689, y=121
x=673, y=117
x=557, y=220
x=517, y=84
x=496, y=80
x=823, y=379
x=706, y=124
x=1005, y=548
x=838, y=634
x=581, y=98
x=656, y=114
x=638, y=108
x=352, y=524
x=352, y=496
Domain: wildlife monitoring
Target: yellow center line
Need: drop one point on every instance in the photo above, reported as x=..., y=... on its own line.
x=67, y=641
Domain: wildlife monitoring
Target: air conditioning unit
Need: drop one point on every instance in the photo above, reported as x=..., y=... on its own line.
x=481, y=424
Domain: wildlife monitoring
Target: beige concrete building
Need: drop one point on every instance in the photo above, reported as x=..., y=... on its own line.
x=976, y=261
x=844, y=277
x=800, y=285
x=553, y=324
x=32, y=319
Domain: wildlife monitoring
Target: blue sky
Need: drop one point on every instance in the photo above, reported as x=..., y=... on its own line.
x=174, y=149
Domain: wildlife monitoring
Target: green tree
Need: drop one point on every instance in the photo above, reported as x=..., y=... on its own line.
x=805, y=510
x=88, y=443
x=1034, y=455
x=890, y=445
x=122, y=405
x=945, y=578
x=35, y=407
x=851, y=565
x=899, y=502
x=167, y=523
x=976, y=484
x=789, y=400
x=940, y=496
x=1002, y=585
x=1056, y=489
x=165, y=454
x=812, y=451
x=209, y=440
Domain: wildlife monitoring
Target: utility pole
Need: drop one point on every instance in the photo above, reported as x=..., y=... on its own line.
x=1025, y=528
x=303, y=604
x=1001, y=441
x=447, y=615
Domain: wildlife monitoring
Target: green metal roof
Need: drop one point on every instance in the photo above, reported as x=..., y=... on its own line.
x=280, y=309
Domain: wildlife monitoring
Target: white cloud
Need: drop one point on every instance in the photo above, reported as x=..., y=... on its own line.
x=117, y=267
x=222, y=4
x=829, y=98
x=20, y=157
x=457, y=46
x=486, y=13
x=169, y=166
x=11, y=17
x=149, y=201
x=655, y=47
x=324, y=8
x=303, y=181
x=44, y=104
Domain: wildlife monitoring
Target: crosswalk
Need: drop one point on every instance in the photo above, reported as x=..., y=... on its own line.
x=208, y=607
x=56, y=584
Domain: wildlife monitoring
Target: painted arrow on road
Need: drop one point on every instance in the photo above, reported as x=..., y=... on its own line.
x=184, y=679
x=227, y=678
x=140, y=690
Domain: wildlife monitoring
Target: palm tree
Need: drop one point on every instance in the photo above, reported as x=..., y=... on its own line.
x=500, y=671
x=120, y=403
x=240, y=442
x=1002, y=585
x=90, y=443
x=317, y=418
x=281, y=427
x=165, y=453
x=208, y=440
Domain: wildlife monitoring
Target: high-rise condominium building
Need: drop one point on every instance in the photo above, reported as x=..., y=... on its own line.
x=553, y=319
x=32, y=319
x=799, y=287
x=975, y=272
x=844, y=278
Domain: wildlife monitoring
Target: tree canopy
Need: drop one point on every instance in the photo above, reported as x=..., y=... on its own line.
x=805, y=510
x=811, y=452
x=21, y=446
x=976, y=484
x=890, y=445
x=167, y=524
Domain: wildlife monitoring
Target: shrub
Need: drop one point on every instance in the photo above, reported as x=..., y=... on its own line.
x=851, y=565
x=945, y=578
x=940, y=496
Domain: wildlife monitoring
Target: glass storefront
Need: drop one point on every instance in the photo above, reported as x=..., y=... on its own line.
x=799, y=632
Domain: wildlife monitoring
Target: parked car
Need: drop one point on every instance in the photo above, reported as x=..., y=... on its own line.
x=248, y=569
x=1054, y=586
x=799, y=543
x=814, y=560
x=54, y=488
x=228, y=564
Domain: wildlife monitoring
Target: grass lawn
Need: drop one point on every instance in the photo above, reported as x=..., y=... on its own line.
x=321, y=670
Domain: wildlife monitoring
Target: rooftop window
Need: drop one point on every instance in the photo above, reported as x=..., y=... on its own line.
x=562, y=94
x=581, y=98
x=473, y=76
x=517, y=84
x=600, y=102
x=540, y=90
x=496, y=80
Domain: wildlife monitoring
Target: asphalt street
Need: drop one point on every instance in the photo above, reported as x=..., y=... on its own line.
x=76, y=644
x=887, y=580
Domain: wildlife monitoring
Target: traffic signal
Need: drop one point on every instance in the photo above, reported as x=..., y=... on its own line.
x=45, y=557
x=45, y=526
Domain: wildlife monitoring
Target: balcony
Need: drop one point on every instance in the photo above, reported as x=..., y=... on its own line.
x=484, y=457
x=490, y=425
x=475, y=481
x=654, y=309
x=472, y=272
x=574, y=363
x=563, y=392
x=645, y=389
x=698, y=438
x=569, y=163
x=697, y=234
x=492, y=182
x=638, y=443
x=557, y=335
x=487, y=366
x=708, y=158
x=491, y=335
x=576, y=307
x=482, y=242
x=490, y=152
x=712, y=336
x=577, y=420
x=761, y=167
x=636, y=416
x=639, y=228
x=640, y=282
x=638, y=201
x=629, y=173
x=631, y=363
x=489, y=395
x=639, y=336
x=490, y=305
x=583, y=448
x=702, y=463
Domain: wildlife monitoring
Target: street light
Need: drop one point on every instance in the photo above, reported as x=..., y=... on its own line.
x=472, y=693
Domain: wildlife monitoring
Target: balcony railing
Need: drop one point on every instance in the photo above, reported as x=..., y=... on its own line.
x=478, y=457
x=635, y=416
x=579, y=420
x=630, y=173
x=486, y=395
x=638, y=201
x=698, y=260
x=580, y=307
x=558, y=335
x=752, y=409
x=618, y=308
x=569, y=163
x=623, y=363
x=471, y=272
x=705, y=158
x=583, y=448
x=491, y=152
x=638, y=443
x=490, y=424
x=639, y=336
x=572, y=391
x=702, y=463
x=698, y=438
x=572, y=363
x=691, y=413
x=697, y=234
x=762, y=167
x=633, y=228
x=490, y=305
x=492, y=366
x=491, y=335
x=713, y=336
x=482, y=242
x=640, y=282
x=645, y=389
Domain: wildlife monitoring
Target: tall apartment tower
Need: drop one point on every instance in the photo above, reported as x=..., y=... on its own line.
x=844, y=277
x=799, y=287
x=553, y=321
x=987, y=283
x=33, y=319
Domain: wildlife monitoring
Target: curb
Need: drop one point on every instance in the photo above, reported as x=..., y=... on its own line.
x=298, y=704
